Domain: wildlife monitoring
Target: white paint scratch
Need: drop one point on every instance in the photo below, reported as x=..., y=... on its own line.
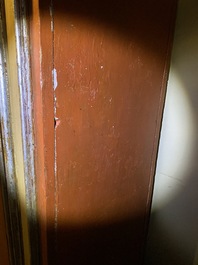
x=54, y=77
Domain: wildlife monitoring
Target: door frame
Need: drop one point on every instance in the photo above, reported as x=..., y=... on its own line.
x=17, y=136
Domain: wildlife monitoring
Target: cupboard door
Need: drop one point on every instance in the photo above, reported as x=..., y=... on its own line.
x=103, y=72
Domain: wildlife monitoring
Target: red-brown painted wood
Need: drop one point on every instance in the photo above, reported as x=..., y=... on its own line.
x=103, y=73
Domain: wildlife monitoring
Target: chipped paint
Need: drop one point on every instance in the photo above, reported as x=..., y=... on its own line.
x=56, y=122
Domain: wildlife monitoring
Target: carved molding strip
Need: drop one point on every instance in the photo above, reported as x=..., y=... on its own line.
x=24, y=249
x=8, y=175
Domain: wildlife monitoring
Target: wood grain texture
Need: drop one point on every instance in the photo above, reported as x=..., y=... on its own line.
x=104, y=72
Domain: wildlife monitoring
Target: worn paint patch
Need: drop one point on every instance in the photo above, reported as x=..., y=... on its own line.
x=51, y=15
x=54, y=77
x=41, y=78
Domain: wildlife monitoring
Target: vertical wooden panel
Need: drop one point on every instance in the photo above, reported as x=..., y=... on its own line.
x=103, y=77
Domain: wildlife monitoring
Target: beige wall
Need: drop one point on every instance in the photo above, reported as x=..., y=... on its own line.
x=173, y=234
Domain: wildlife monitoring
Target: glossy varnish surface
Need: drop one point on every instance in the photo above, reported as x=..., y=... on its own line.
x=103, y=78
